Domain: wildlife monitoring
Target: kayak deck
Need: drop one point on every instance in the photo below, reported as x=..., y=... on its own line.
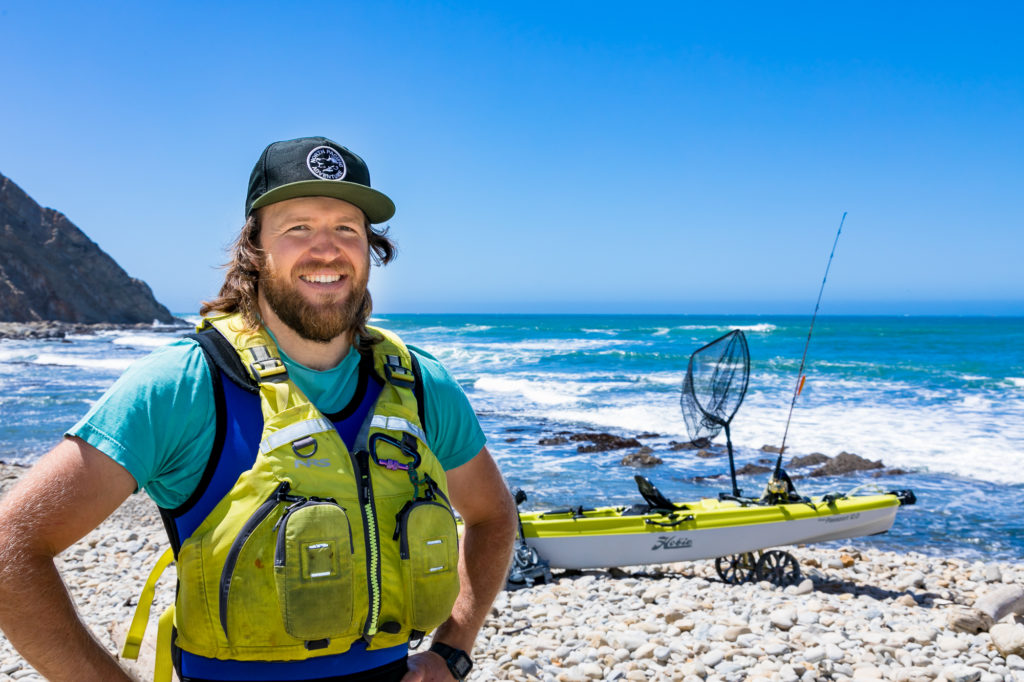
x=706, y=529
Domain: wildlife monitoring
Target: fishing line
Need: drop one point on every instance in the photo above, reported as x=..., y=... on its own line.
x=800, y=377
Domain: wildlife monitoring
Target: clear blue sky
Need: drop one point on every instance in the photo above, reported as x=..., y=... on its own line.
x=551, y=157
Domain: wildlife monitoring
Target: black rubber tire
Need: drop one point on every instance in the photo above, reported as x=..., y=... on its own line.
x=778, y=567
x=737, y=568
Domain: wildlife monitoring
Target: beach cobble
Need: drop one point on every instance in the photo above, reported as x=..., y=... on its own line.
x=856, y=615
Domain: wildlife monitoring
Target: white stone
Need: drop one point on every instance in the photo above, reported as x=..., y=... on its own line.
x=1008, y=639
x=962, y=673
x=1001, y=601
x=783, y=619
x=713, y=658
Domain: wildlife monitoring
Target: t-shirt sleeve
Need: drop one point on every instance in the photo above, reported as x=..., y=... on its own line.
x=158, y=421
x=453, y=431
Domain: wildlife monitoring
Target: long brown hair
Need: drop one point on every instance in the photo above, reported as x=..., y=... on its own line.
x=241, y=279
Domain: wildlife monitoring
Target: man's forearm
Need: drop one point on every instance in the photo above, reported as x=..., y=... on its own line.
x=39, y=619
x=483, y=568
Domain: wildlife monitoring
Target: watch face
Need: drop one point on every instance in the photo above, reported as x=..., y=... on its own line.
x=462, y=664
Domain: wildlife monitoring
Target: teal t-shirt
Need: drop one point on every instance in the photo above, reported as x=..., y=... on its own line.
x=158, y=419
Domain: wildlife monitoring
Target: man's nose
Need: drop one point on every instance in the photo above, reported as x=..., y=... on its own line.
x=325, y=244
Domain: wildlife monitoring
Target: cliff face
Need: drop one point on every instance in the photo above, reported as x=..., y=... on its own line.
x=49, y=270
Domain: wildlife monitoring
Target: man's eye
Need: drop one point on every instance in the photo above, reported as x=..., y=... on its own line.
x=295, y=228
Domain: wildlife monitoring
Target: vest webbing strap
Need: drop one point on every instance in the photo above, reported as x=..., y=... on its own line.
x=162, y=667
x=294, y=432
x=398, y=424
x=136, y=631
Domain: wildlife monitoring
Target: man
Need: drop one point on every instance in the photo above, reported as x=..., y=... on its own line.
x=304, y=465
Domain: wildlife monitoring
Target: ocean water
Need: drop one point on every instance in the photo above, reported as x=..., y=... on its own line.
x=939, y=398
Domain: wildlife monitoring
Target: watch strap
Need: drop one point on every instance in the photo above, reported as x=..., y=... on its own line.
x=458, y=661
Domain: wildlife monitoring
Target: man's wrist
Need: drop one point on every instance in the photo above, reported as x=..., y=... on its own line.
x=458, y=661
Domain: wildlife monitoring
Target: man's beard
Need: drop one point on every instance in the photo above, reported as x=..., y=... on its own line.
x=320, y=322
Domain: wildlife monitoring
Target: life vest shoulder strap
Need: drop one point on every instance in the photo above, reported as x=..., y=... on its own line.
x=223, y=355
x=255, y=349
x=396, y=364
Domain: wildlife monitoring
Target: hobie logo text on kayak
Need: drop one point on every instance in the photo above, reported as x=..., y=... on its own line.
x=669, y=542
x=840, y=519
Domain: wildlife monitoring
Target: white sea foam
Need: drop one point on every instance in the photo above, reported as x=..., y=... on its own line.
x=145, y=340
x=540, y=393
x=763, y=328
x=1016, y=381
x=119, y=364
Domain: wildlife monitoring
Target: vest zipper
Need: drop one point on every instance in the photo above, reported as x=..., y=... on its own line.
x=262, y=512
x=362, y=461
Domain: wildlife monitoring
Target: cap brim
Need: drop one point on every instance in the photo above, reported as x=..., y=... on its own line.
x=376, y=205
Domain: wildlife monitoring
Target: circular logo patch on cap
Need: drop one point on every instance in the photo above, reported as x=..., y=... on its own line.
x=326, y=163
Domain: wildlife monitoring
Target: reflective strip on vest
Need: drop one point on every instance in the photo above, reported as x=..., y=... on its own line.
x=294, y=432
x=397, y=424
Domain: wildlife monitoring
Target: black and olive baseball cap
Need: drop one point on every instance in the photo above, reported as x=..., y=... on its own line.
x=314, y=167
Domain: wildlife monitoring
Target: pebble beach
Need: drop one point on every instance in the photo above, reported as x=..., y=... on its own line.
x=856, y=614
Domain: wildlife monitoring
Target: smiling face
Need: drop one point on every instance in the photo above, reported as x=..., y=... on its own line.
x=316, y=265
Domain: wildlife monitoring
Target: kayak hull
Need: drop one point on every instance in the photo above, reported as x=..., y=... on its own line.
x=610, y=536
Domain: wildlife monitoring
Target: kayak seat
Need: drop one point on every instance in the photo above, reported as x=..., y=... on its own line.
x=653, y=497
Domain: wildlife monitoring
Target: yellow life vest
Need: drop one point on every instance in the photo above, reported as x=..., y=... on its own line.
x=316, y=547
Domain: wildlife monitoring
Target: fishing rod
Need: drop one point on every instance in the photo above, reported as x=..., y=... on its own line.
x=775, y=485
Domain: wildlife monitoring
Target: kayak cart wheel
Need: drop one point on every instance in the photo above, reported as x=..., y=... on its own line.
x=778, y=567
x=737, y=568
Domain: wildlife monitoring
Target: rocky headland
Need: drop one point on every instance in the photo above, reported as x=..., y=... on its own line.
x=51, y=273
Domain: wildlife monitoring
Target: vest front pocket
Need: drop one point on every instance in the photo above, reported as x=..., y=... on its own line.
x=313, y=567
x=429, y=547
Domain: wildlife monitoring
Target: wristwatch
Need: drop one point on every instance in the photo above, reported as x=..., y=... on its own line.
x=458, y=661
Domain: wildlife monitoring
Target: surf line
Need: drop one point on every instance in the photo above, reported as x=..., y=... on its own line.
x=800, y=376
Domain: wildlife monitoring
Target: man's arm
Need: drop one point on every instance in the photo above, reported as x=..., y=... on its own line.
x=70, y=491
x=481, y=497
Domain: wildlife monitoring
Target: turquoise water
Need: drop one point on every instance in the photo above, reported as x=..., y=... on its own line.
x=941, y=398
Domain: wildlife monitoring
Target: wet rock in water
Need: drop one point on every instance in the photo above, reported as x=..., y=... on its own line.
x=771, y=448
x=553, y=440
x=648, y=434
x=845, y=463
x=602, y=442
x=700, y=443
x=890, y=472
x=644, y=457
x=512, y=440
x=749, y=469
x=706, y=453
x=813, y=459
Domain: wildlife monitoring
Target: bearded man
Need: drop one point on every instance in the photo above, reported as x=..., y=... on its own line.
x=305, y=465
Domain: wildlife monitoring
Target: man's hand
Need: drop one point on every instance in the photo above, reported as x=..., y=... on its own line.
x=426, y=666
x=66, y=494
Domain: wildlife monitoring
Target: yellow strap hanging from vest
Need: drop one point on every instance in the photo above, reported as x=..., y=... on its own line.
x=162, y=667
x=140, y=620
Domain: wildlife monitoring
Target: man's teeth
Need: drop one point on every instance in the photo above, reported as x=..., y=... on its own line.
x=321, y=279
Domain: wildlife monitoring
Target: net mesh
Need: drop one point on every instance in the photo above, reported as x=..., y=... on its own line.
x=716, y=381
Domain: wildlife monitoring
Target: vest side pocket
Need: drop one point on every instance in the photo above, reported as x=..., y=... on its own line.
x=429, y=547
x=313, y=568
